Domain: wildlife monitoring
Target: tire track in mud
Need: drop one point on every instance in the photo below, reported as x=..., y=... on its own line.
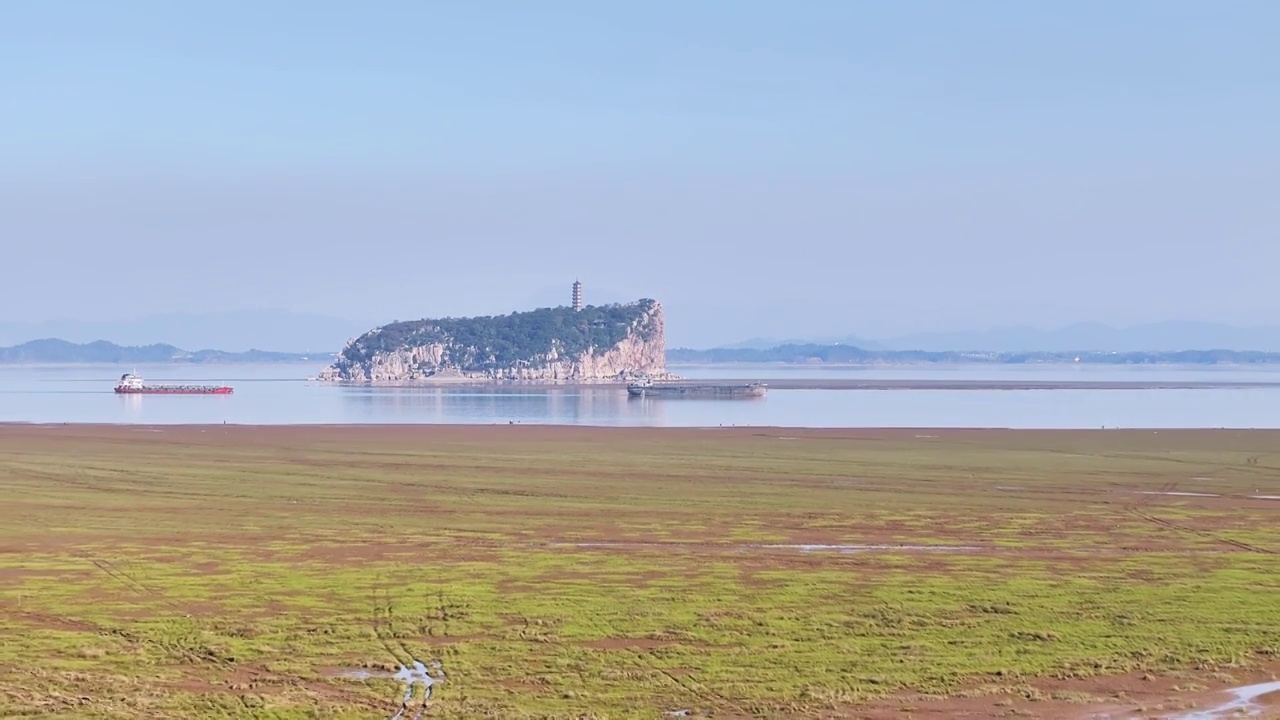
x=196, y=652
x=196, y=655
x=703, y=694
x=122, y=578
x=412, y=670
x=129, y=581
x=82, y=479
x=1140, y=510
x=1252, y=466
x=382, y=622
x=1239, y=545
x=697, y=690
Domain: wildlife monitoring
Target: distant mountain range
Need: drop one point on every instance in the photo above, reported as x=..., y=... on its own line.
x=767, y=343
x=236, y=331
x=60, y=351
x=1169, y=336
x=53, y=351
x=296, y=335
x=853, y=355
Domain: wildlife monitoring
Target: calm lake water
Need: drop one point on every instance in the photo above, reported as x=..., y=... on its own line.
x=280, y=394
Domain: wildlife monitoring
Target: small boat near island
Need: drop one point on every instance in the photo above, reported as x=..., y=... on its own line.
x=646, y=387
x=131, y=384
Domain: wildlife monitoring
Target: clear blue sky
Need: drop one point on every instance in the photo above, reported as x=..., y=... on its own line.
x=763, y=168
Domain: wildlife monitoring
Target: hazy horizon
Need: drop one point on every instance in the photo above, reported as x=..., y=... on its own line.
x=763, y=170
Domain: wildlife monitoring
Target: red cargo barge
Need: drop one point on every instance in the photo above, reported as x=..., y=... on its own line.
x=131, y=384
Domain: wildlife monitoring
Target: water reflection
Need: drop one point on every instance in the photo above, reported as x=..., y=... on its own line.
x=132, y=405
x=573, y=406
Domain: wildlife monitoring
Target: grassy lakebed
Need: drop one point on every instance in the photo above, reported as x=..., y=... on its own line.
x=229, y=571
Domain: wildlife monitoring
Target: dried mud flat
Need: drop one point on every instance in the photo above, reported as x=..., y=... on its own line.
x=534, y=571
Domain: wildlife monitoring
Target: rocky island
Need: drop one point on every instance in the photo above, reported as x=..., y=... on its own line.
x=595, y=343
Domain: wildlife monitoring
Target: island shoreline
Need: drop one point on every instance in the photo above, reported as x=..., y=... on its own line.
x=824, y=384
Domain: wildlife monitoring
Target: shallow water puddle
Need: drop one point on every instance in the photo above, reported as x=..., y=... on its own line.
x=413, y=676
x=410, y=677
x=1175, y=493
x=1242, y=706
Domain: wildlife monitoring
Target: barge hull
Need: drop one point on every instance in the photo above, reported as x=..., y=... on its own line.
x=161, y=390
x=698, y=391
x=131, y=384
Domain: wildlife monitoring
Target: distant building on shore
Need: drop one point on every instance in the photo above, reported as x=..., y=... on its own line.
x=577, y=296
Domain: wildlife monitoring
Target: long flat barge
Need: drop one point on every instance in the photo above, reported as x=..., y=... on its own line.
x=131, y=384
x=696, y=390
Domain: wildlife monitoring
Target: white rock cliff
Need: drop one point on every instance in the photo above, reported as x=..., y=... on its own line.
x=640, y=352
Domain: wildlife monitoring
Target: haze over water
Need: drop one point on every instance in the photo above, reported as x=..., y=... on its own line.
x=279, y=394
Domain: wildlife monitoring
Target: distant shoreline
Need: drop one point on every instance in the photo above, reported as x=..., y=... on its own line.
x=819, y=356
x=263, y=432
x=776, y=376
x=798, y=364
x=779, y=364
x=154, y=363
x=783, y=383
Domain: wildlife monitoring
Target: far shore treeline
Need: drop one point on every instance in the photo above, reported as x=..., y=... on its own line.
x=53, y=351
